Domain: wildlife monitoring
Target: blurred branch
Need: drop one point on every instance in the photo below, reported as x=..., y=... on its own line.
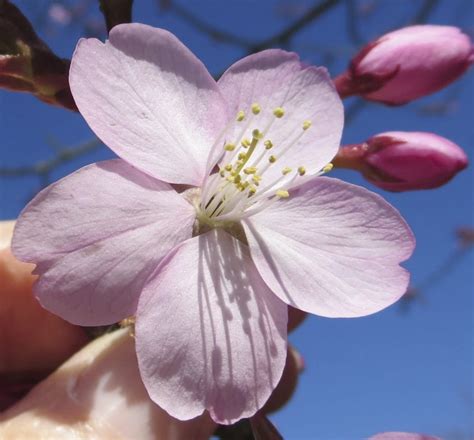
x=465, y=236
x=116, y=12
x=44, y=168
x=354, y=109
x=445, y=268
x=425, y=11
x=283, y=37
x=352, y=28
x=210, y=30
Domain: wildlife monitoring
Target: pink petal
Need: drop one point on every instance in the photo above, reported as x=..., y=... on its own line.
x=275, y=78
x=210, y=335
x=150, y=100
x=332, y=249
x=96, y=235
x=402, y=436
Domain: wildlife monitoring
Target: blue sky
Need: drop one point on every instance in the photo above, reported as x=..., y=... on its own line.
x=409, y=371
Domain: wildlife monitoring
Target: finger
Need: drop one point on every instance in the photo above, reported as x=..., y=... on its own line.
x=97, y=394
x=32, y=341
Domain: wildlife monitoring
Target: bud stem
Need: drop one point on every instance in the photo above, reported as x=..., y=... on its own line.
x=343, y=84
x=350, y=156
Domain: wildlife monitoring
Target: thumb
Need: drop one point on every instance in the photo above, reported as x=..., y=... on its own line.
x=97, y=394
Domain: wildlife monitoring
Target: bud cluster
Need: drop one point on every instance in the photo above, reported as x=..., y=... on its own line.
x=397, y=68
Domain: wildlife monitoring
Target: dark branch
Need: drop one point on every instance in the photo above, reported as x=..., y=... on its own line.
x=283, y=37
x=44, y=168
x=425, y=11
x=27, y=64
x=207, y=28
x=116, y=12
x=351, y=22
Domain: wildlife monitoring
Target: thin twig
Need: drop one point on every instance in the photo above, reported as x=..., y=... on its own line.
x=284, y=36
x=45, y=167
x=354, y=109
x=351, y=22
x=444, y=269
x=207, y=28
x=281, y=38
x=425, y=11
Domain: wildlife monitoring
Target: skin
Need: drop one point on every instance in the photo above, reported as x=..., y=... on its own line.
x=32, y=340
x=97, y=394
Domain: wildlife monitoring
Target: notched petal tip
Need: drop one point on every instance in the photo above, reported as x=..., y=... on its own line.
x=127, y=89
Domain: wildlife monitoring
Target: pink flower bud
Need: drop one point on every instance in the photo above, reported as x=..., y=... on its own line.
x=404, y=161
x=407, y=64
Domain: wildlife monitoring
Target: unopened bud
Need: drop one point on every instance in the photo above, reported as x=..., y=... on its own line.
x=407, y=64
x=404, y=161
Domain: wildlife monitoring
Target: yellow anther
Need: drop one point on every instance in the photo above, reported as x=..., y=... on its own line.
x=282, y=193
x=240, y=116
x=237, y=179
x=245, y=143
x=230, y=179
x=306, y=124
x=257, y=135
x=328, y=168
x=256, y=179
x=229, y=147
x=241, y=156
x=279, y=112
x=256, y=108
x=228, y=167
x=222, y=173
x=250, y=170
x=268, y=144
x=286, y=171
x=272, y=159
x=301, y=171
x=252, y=190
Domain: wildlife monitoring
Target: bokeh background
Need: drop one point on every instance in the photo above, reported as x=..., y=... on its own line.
x=408, y=368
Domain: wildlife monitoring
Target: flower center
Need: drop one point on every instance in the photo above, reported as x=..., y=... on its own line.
x=243, y=185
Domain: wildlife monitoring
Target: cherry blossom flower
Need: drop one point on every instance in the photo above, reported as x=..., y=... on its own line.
x=208, y=271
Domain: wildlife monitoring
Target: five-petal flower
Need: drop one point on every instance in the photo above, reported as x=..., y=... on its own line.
x=209, y=271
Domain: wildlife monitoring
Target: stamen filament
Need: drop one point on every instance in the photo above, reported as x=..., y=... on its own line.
x=236, y=190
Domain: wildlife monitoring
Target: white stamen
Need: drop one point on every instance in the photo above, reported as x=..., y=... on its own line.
x=236, y=191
